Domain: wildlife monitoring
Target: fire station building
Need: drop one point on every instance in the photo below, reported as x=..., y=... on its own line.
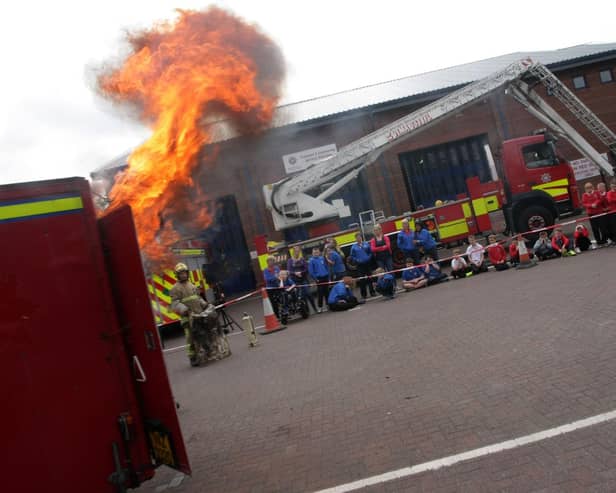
x=414, y=174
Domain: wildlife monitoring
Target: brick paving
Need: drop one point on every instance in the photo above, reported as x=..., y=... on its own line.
x=344, y=396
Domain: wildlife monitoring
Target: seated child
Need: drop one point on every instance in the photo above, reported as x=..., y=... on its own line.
x=560, y=243
x=497, y=254
x=475, y=254
x=412, y=277
x=341, y=297
x=433, y=272
x=543, y=247
x=459, y=266
x=287, y=293
x=581, y=238
x=385, y=284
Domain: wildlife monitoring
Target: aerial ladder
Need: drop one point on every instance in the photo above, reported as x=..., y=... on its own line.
x=301, y=198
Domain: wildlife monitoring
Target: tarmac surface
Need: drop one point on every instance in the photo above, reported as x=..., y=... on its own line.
x=450, y=369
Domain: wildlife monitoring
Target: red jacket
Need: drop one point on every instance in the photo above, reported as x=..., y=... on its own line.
x=385, y=248
x=611, y=200
x=593, y=203
x=497, y=254
x=557, y=247
x=583, y=232
x=513, y=249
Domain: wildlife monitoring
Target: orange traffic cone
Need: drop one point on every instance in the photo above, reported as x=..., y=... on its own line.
x=272, y=323
x=525, y=261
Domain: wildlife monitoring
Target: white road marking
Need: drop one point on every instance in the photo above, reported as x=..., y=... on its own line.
x=472, y=454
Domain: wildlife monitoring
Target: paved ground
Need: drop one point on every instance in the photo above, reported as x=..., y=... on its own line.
x=451, y=368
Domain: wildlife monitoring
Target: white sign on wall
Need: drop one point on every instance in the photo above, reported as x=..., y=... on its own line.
x=301, y=160
x=585, y=168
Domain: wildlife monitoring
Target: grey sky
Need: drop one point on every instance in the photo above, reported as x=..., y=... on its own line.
x=53, y=125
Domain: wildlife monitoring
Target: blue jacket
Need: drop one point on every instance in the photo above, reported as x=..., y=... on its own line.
x=271, y=278
x=412, y=273
x=426, y=239
x=288, y=283
x=433, y=272
x=406, y=240
x=339, y=292
x=317, y=267
x=338, y=266
x=361, y=254
x=385, y=281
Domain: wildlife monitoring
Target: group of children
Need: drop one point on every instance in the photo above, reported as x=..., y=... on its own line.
x=334, y=286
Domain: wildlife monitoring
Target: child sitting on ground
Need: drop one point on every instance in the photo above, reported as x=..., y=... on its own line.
x=413, y=277
x=385, y=283
x=543, y=247
x=341, y=297
x=459, y=266
x=581, y=238
x=433, y=272
x=475, y=256
x=497, y=254
x=560, y=243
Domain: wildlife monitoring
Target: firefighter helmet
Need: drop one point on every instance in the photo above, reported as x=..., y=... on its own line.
x=180, y=268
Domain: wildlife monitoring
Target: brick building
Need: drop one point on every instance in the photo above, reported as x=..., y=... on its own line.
x=404, y=177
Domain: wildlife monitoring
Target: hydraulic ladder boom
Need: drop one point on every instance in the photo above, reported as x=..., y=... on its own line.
x=301, y=198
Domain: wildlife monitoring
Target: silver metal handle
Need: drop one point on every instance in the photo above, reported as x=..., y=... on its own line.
x=139, y=369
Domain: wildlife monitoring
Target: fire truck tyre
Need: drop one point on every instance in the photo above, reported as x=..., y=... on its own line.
x=534, y=217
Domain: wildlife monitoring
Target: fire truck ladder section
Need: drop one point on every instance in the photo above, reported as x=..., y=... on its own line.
x=539, y=108
x=300, y=198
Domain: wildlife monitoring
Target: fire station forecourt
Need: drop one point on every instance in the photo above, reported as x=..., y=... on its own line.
x=498, y=382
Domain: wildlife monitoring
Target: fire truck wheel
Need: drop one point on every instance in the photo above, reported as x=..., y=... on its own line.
x=534, y=217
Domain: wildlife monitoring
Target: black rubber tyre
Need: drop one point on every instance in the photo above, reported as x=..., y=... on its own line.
x=534, y=217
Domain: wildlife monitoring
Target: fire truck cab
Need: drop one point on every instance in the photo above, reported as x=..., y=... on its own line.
x=539, y=185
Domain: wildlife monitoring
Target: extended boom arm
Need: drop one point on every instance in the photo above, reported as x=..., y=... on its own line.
x=301, y=198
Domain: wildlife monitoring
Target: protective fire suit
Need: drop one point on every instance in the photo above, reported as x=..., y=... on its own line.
x=185, y=300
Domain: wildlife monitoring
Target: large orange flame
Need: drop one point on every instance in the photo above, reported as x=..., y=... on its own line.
x=178, y=73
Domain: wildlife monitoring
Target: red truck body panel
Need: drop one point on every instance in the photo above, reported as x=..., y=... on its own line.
x=555, y=178
x=63, y=354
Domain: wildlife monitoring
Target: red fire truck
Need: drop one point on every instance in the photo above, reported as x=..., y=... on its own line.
x=535, y=184
x=88, y=405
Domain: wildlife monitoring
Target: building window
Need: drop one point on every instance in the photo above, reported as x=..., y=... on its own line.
x=579, y=82
x=606, y=75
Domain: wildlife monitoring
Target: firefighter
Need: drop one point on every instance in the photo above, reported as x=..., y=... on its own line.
x=185, y=300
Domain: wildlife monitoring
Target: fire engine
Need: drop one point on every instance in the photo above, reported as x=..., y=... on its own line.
x=537, y=185
x=89, y=406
